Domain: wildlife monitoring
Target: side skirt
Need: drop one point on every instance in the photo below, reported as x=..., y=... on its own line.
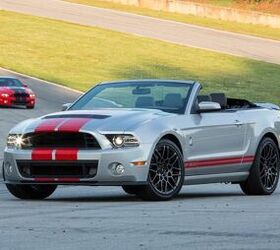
x=216, y=178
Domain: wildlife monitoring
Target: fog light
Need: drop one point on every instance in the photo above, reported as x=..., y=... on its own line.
x=8, y=168
x=117, y=169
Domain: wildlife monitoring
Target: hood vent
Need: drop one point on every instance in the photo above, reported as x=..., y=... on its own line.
x=77, y=116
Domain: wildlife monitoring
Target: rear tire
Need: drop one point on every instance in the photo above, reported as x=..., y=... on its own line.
x=166, y=173
x=30, y=107
x=130, y=189
x=31, y=192
x=264, y=175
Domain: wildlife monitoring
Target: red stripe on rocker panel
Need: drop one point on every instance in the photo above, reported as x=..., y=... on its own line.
x=66, y=154
x=73, y=125
x=41, y=154
x=214, y=162
x=248, y=159
x=219, y=162
x=49, y=125
x=45, y=179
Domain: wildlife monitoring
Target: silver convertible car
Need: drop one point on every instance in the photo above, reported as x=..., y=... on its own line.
x=149, y=136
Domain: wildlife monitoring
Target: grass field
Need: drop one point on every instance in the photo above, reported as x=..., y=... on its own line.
x=250, y=29
x=79, y=56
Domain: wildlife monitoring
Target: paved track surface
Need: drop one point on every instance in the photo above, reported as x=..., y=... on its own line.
x=190, y=35
x=202, y=217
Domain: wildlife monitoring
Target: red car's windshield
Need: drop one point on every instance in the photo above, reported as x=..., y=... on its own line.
x=10, y=82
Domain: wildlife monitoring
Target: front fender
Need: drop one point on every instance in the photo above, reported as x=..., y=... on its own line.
x=174, y=133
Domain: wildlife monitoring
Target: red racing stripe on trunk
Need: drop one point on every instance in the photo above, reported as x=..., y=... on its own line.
x=45, y=179
x=219, y=162
x=66, y=154
x=44, y=154
x=73, y=125
x=49, y=125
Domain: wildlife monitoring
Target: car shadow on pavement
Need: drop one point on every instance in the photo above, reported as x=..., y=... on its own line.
x=132, y=198
x=14, y=107
x=205, y=195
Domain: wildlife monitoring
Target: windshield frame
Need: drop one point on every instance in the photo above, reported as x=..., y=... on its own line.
x=189, y=84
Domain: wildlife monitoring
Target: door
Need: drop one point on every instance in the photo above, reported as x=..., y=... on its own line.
x=215, y=143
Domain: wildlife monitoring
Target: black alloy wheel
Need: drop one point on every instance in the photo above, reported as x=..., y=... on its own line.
x=264, y=176
x=166, y=173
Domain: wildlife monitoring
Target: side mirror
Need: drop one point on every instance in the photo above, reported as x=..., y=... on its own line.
x=25, y=85
x=65, y=106
x=204, y=107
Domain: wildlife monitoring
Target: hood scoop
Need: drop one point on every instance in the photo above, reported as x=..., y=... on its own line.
x=89, y=116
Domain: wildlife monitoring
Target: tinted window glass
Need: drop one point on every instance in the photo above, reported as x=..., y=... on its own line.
x=9, y=82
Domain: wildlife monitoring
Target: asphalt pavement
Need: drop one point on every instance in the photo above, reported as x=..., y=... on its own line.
x=170, y=31
x=214, y=216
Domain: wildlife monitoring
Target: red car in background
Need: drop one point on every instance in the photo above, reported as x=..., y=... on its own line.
x=15, y=93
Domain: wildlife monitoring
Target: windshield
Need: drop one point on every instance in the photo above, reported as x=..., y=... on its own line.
x=166, y=96
x=10, y=82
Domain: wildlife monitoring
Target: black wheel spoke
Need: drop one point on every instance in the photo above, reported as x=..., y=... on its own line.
x=165, y=170
x=269, y=166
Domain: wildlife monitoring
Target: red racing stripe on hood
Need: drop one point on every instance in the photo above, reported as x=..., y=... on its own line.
x=49, y=125
x=73, y=125
x=66, y=154
x=41, y=154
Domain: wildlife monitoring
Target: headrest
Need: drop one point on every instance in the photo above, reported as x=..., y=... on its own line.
x=203, y=98
x=144, y=101
x=173, y=100
x=219, y=98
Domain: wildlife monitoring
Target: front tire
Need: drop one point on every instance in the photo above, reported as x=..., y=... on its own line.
x=31, y=192
x=166, y=173
x=264, y=175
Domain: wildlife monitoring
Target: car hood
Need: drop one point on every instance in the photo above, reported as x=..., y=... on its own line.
x=13, y=90
x=100, y=120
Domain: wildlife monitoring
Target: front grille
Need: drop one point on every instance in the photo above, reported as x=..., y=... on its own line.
x=21, y=95
x=77, y=169
x=20, y=101
x=60, y=140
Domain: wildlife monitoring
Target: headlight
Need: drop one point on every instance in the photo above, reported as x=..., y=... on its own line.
x=119, y=141
x=14, y=141
x=5, y=95
x=31, y=95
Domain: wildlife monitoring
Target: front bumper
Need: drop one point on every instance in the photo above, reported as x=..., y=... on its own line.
x=104, y=176
x=12, y=101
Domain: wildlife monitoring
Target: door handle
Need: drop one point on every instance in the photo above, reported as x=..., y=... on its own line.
x=238, y=123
